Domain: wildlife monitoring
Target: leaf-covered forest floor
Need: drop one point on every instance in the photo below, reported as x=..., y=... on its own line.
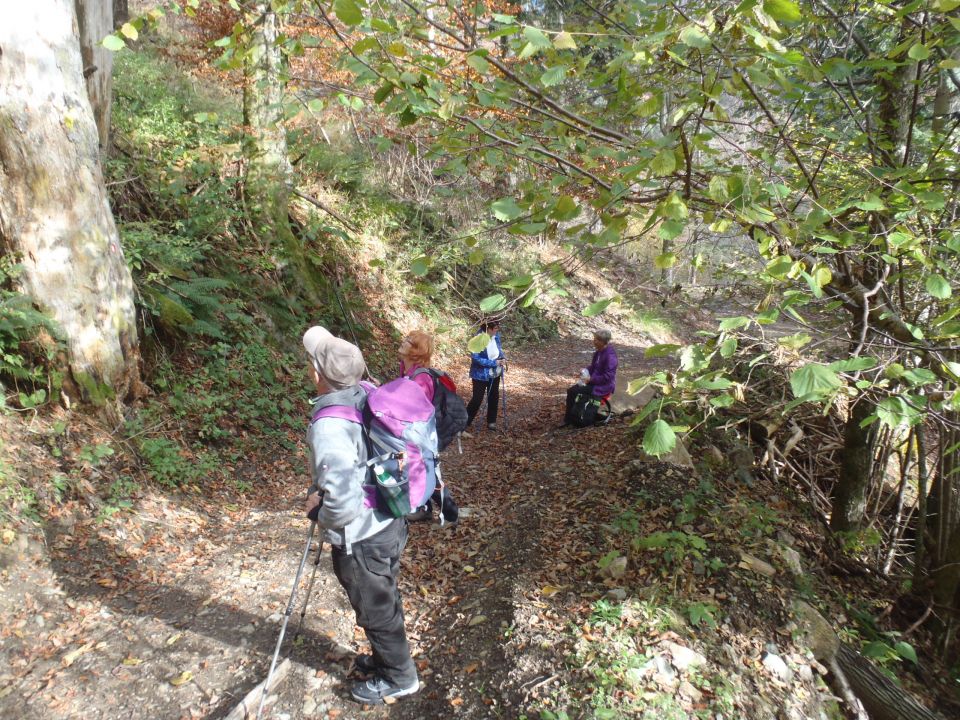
x=543, y=599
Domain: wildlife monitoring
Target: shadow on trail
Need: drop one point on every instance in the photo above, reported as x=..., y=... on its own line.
x=191, y=610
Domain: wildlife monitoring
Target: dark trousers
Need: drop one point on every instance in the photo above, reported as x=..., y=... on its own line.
x=573, y=391
x=492, y=389
x=369, y=577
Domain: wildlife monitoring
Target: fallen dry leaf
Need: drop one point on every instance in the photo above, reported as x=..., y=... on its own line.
x=182, y=679
x=71, y=657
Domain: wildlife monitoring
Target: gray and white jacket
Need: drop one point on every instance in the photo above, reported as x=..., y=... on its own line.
x=338, y=456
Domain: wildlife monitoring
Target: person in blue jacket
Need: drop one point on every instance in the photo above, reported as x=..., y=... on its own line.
x=486, y=369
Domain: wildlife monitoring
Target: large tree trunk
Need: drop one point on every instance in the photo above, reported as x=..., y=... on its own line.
x=54, y=212
x=95, y=22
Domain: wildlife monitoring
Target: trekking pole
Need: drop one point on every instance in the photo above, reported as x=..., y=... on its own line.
x=286, y=616
x=306, y=598
x=503, y=395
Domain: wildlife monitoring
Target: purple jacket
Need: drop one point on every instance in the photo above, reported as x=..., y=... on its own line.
x=603, y=371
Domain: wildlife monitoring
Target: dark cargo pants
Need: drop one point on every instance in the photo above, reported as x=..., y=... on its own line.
x=369, y=577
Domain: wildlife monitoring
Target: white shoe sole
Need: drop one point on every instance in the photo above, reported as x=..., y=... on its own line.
x=381, y=701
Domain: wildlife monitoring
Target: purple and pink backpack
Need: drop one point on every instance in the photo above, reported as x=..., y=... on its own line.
x=400, y=429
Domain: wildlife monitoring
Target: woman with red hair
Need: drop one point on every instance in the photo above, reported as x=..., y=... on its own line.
x=416, y=351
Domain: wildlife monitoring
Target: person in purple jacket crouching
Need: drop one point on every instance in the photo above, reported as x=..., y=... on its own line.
x=600, y=377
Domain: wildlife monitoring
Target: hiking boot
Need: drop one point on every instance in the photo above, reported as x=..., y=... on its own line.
x=365, y=664
x=374, y=690
x=492, y=427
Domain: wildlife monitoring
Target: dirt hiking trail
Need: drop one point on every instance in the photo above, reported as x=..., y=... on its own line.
x=173, y=612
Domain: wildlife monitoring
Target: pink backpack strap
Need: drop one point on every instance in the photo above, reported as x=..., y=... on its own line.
x=338, y=411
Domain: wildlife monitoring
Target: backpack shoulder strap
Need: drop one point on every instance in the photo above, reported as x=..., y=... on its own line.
x=434, y=373
x=343, y=412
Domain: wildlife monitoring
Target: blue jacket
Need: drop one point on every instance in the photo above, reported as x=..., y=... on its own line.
x=481, y=366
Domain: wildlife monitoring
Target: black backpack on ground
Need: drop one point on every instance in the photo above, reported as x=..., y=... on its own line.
x=450, y=412
x=584, y=411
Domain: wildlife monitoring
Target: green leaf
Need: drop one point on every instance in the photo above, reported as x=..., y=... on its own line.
x=937, y=286
x=537, y=37
x=876, y=649
x=475, y=257
x=733, y=323
x=671, y=229
x=129, y=31
x=821, y=275
x=906, y=651
x=478, y=63
x=598, y=307
x=114, y=43
x=694, y=37
x=919, y=376
x=664, y=163
x=870, y=202
x=659, y=438
x=782, y=10
x=383, y=92
x=895, y=412
x=795, y=341
x=493, y=303
x=565, y=209
x=478, y=343
x=814, y=382
x=665, y=260
x=661, y=350
x=718, y=189
x=506, y=209
x=553, y=76
x=517, y=282
x=564, y=41
x=421, y=265
x=918, y=51
x=853, y=364
x=728, y=348
x=348, y=12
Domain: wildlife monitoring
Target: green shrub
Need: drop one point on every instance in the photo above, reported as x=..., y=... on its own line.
x=169, y=464
x=28, y=342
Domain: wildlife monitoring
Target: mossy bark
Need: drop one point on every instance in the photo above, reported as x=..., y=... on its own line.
x=54, y=212
x=849, y=501
x=269, y=174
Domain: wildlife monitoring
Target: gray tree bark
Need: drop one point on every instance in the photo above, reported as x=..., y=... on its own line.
x=882, y=698
x=265, y=144
x=95, y=22
x=54, y=213
x=268, y=178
